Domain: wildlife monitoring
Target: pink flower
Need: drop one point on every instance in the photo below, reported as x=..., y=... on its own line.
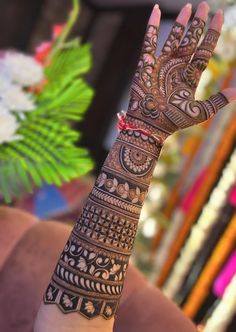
x=42, y=51
x=57, y=30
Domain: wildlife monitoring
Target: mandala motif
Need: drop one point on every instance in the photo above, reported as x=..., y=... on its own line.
x=191, y=75
x=135, y=161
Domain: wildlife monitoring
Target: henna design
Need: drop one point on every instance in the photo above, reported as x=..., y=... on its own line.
x=205, y=50
x=173, y=40
x=106, y=227
x=115, y=161
x=191, y=39
x=134, y=161
x=162, y=93
x=108, y=200
x=90, y=273
x=118, y=187
x=89, y=276
x=99, y=281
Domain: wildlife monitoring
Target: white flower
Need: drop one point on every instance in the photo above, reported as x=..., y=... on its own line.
x=8, y=126
x=5, y=75
x=14, y=98
x=22, y=69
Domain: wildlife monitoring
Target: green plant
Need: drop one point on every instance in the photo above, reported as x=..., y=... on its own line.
x=47, y=151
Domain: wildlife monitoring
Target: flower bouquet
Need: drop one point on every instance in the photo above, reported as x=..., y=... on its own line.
x=40, y=96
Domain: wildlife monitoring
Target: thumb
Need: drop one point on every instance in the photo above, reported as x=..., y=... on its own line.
x=230, y=94
x=215, y=103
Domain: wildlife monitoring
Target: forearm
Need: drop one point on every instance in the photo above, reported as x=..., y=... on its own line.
x=90, y=273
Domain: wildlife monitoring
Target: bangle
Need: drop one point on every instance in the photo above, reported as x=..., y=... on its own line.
x=123, y=125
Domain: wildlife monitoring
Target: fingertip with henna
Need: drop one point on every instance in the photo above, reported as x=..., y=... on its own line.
x=202, y=11
x=185, y=14
x=217, y=21
x=155, y=16
x=230, y=94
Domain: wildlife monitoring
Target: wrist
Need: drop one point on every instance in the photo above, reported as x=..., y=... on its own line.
x=152, y=130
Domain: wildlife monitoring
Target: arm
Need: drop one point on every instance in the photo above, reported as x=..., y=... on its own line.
x=89, y=275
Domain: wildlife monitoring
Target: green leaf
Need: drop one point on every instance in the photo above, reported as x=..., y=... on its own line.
x=47, y=151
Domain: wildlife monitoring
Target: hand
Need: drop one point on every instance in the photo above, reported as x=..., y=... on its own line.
x=162, y=92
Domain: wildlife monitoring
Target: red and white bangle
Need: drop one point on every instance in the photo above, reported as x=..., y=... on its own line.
x=123, y=125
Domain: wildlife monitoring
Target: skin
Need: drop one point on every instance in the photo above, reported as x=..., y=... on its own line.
x=157, y=108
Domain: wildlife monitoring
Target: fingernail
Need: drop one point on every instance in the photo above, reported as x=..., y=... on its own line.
x=156, y=6
x=204, y=3
x=189, y=5
x=219, y=12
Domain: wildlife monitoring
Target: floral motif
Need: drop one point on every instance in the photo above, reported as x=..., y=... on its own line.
x=111, y=185
x=89, y=307
x=108, y=310
x=134, y=195
x=67, y=301
x=50, y=293
x=82, y=265
x=115, y=268
x=171, y=43
x=123, y=190
x=101, y=179
x=149, y=59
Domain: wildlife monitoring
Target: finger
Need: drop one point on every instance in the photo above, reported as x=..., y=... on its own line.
x=191, y=39
x=150, y=39
x=216, y=102
x=205, y=50
x=177, y=30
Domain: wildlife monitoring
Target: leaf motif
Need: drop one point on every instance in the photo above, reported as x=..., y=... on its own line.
x=92, y=269
x=92, y=255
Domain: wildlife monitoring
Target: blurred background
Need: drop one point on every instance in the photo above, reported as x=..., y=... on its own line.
x=186, y=241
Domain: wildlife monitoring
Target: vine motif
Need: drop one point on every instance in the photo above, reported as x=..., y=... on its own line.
x=94, y=264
